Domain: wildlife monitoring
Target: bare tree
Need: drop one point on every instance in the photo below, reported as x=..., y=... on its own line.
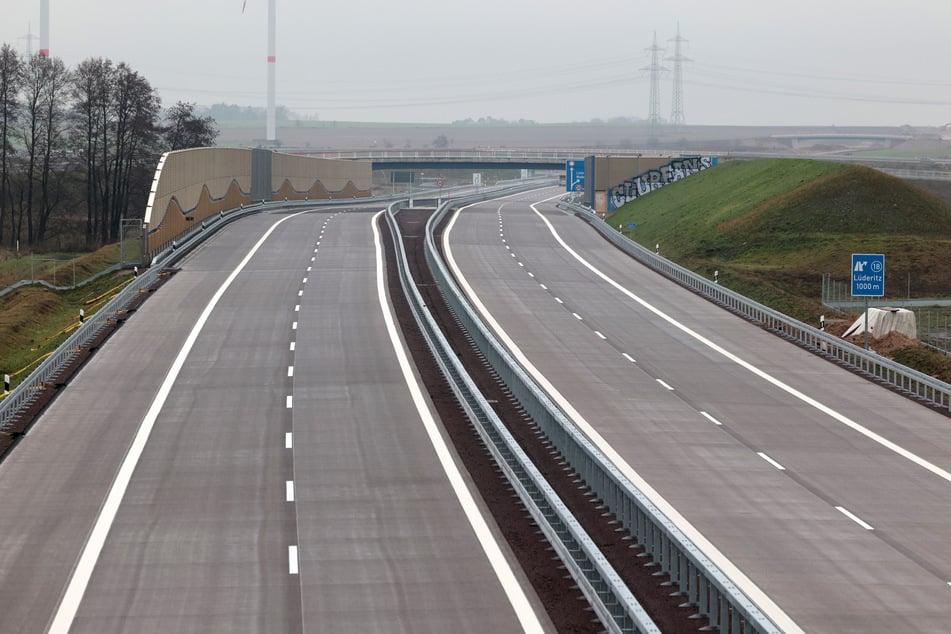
x=31, y=126
x=184, y=129
x=115, y=112
x=11, y=69
x=135, y=109
x=53, y=104
x=91, y=102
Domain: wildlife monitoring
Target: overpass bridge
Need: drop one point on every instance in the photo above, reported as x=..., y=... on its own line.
x=472, y=158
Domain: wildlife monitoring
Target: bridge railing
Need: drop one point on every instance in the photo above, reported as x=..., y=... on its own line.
x=902, y=378
x=702, y=583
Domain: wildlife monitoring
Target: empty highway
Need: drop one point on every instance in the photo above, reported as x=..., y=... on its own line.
x=249, y=452
x=826, y=497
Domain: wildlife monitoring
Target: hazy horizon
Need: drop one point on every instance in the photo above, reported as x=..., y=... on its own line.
x=848, y=63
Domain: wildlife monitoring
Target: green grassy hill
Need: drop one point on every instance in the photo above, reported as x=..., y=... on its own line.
x=774, y=227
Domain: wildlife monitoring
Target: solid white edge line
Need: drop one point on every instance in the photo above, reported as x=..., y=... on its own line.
x=855, y=518
x=710, y=418
x=513, y=590
x=825, y=409
x=760, y=598
x=79, y=579
x=289, y=490
x=293, y=565
x=288, y=440
x=770, y=460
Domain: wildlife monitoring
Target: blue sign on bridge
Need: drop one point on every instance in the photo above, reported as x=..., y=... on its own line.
x=868, y=275
x=574, y=176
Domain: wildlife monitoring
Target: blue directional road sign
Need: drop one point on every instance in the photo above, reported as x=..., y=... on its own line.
x=868, y=275
x=574, y=176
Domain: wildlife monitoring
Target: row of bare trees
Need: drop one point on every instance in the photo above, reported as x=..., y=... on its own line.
x=82, y=139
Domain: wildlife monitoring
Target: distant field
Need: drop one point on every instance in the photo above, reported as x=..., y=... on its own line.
x=606, y=135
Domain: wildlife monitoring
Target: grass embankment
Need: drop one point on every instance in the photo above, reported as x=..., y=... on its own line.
x=35, y=320
x=773, y=228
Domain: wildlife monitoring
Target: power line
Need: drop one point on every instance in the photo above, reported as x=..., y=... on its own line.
x=655, y=70
x=677, y=102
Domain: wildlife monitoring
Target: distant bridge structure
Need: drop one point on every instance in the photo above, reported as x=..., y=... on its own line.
x=799, y=139
x=475, y=158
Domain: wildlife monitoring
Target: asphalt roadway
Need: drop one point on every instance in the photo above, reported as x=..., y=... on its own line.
x=246, y=455
x=828, y=497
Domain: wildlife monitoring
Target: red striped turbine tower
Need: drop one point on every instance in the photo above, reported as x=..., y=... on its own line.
x=44, y=28
x=271, y=63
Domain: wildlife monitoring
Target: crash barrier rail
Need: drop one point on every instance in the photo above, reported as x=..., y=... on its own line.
x=607, y=593
x=902, y=378
x=703, y=586
x=53, y=287
x=26, y=393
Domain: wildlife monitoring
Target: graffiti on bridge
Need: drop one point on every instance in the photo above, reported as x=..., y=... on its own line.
x=653, y=179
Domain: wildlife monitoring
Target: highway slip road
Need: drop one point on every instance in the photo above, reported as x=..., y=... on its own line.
x=826, y=497
x=247, y=455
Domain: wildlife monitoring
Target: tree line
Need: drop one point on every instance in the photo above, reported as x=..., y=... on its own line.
x=79, y=146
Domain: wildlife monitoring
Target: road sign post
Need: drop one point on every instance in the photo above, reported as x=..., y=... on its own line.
x=868, y=279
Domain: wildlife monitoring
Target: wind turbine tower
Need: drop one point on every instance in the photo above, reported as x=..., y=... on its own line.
x=44, y=28
x=677, y=103
x=655, y=70
x=271, y=63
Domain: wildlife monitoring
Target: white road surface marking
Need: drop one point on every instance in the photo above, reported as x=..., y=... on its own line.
x=293, y=566
x=79, y=580
x=770, y=461
x=854, y=518
x=762, y=600
x=513, y=590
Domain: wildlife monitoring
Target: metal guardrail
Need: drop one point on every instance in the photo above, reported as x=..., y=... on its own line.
x=702, y=584
x=27, y=392
x=610, y=597
x=913, y=383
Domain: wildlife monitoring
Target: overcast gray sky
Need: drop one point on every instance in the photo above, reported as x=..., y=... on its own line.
x=755, y=62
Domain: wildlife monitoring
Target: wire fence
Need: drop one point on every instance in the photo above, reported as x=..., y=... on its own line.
x=932, y=314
